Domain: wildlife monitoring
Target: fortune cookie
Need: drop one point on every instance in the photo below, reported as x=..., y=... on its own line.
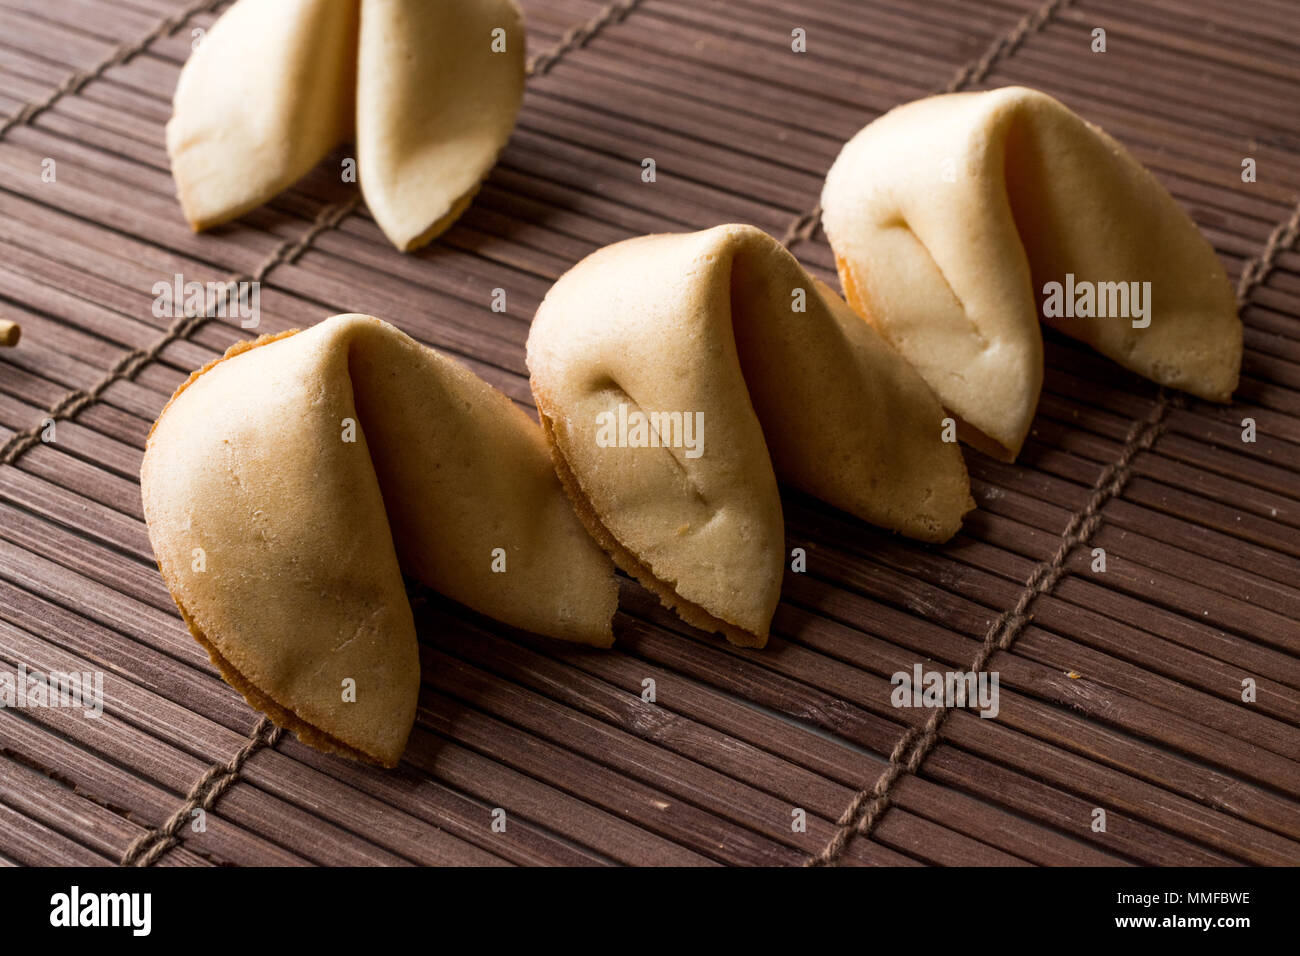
x=678, y=376
x=950, y=216
x=288, y=484
x=428, y=88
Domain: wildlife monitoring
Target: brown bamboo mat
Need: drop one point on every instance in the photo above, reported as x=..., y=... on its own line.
x=1120, y=691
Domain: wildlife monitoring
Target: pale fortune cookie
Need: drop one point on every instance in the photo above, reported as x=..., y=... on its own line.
x=707, y=323
x=950, y=215
x=283, y=543
x=429, y=88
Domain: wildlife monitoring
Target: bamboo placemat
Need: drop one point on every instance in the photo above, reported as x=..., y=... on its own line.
x=1120, y=691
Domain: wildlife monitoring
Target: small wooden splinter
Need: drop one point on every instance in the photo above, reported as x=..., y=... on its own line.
x=10, y=333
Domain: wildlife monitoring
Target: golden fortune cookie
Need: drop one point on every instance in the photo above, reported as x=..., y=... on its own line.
x=289, y=484
x=948, y=216
x=428, y=89
x=678, y=376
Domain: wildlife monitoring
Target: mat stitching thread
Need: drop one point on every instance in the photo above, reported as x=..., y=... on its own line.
x=580, y=35
x=130, y=364
x=868, y=806
x=1005, y=45
x=150, y=847
x=147, y=848
x=804, y=226
x=1282, y=238
x=117, y=57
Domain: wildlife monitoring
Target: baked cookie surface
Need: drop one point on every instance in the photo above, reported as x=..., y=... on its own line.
x=951, y=216
x=288, y=485
x=427, y=89
x=721, y=339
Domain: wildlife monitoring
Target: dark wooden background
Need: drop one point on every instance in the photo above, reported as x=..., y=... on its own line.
x=1120, y=691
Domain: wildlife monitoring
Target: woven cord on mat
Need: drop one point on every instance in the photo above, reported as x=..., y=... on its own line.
x=870, y=804
x=207, y=790
x=220, y=777
x=578, y=36
x=116, y=57
x=804, y=226
x=130, y=364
